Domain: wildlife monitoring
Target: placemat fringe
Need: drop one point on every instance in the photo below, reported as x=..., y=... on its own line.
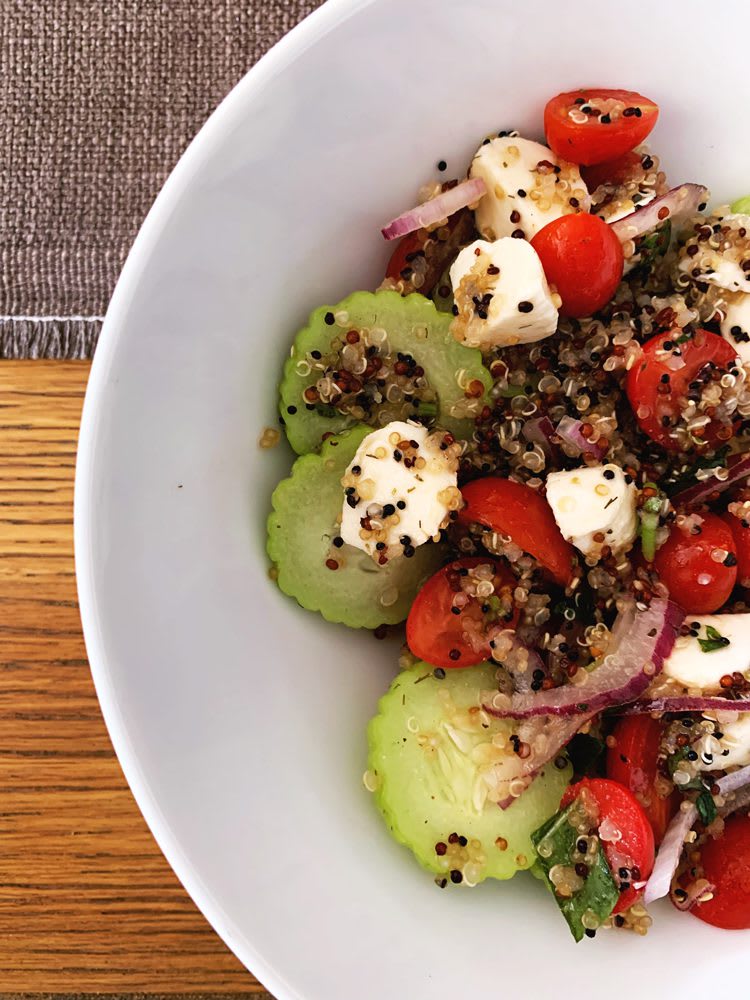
x=71, y=338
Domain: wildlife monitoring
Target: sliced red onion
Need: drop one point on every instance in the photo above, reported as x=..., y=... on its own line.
x=737, y=779
x=557, y=732
x=680, y=201
x=699, y=888
x=539, y=431
x=570, y=430
x=687, y=703
x=703, y=491
x=436, y=209
x=669, y=853
x=670, y=849
x=641, y=641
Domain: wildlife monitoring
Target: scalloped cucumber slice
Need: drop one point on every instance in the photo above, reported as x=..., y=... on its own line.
x=413, y=326
x=301, y=528
x=431, y=754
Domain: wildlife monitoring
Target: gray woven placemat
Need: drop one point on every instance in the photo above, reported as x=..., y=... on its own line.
x=98, y=100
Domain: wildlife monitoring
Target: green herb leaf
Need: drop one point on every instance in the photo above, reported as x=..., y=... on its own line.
x=677, y=483
x=714, y=640
x=599, y=893
x=706, y=807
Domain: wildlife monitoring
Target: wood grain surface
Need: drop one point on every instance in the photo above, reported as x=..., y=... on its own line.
x=87, y=902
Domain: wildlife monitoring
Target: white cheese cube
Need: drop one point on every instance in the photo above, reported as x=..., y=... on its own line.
x=399, y=491
x=594, y=507
x=527, y=187
x=735, y=327
x=502, y=295
x=690, y=666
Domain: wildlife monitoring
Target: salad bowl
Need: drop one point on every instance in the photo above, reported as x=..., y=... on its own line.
x=237, y=716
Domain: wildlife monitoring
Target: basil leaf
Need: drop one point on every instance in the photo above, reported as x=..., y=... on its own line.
x=714, y=640
x=599, y=893
x=706, y=807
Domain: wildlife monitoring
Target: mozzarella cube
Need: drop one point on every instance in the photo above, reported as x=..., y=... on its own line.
x=735, y=327
x=735, y=741
x=527, y=187
x=399, y=490
x=594, y=507
x=502, y=295
x=691, y=667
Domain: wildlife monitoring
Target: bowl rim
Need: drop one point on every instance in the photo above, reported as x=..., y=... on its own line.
x=306, y=33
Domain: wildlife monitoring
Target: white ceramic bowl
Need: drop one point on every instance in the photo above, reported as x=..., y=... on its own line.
x=240, y=719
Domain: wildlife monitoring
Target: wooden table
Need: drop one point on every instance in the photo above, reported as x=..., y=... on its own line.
x=87, y=902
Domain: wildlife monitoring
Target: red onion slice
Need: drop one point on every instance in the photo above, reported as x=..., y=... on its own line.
x=680, y=201
x=641, y=641
x=669, y=853
x=570, y=430
x=694, y=893
x=688, y=703
x=556, y=733
x=436, y=209
x=540, y=431
x=704, y=491
x=670, y=849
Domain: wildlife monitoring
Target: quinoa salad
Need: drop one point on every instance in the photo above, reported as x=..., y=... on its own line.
x=530, y=446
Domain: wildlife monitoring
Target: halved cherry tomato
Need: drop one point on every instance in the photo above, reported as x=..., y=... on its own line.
x=686, y=566
x=655, y=390
x=741, y=536
x=590, y=136
x=437, y=248
x=635, y=848
x=517, y=510
x=434, y=632
x=611, y=171
x=582, y=258
x=726, y=865
x=632, y=761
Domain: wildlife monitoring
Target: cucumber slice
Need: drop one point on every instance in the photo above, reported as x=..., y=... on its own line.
x=429, y=754
x=413, y=326
x=301, y=529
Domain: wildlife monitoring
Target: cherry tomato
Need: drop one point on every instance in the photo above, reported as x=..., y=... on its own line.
x=632, y=761
x=437, y=248
x=656, y=391
x=582, y=258
x=741, y=537
x=635, y=848
x=726, y=865
x=612, y=171
x=434, y=633
x=685, y=564
x=517, y=510
x=597, y=137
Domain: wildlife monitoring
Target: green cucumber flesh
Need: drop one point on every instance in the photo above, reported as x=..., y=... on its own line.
x=425, y=744
x=413, y=326
x=301, y=529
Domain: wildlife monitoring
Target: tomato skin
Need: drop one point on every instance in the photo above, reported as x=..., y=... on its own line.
x=592, y=141
x=406, y=246
x=433, y=631
x=583, y=259
x=726, y=865
x=741, y=538
x=632, y=761
x=514, y=509
x=622, y=808
x=684, y=559
x=645, y=388
x=611, y=171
